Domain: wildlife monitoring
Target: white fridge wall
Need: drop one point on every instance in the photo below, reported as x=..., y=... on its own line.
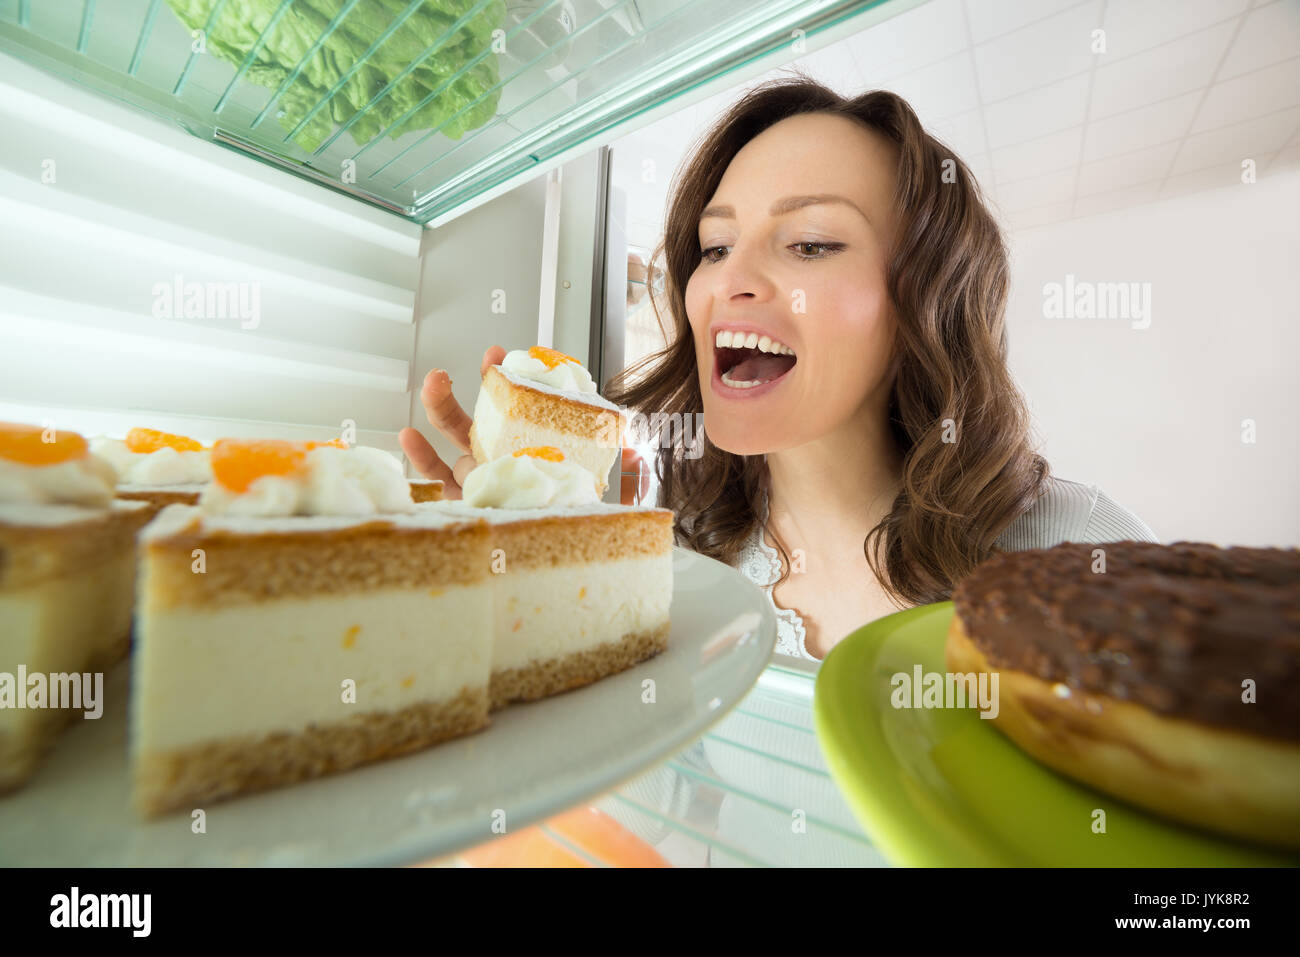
x=493, y=255
x=108, y=213
x=1155, y=416
x=106, y=210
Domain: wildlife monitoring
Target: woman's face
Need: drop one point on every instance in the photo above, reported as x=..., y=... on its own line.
x=808, y=274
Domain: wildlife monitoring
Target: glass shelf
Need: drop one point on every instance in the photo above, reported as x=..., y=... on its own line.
x=414, y=106
x=752, y=792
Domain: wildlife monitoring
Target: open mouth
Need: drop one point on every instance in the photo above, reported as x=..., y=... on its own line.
x=743, y=368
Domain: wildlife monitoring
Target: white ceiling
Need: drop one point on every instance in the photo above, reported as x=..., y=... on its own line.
x=1186, y=90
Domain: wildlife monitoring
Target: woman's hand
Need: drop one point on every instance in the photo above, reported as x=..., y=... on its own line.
x=446, y=415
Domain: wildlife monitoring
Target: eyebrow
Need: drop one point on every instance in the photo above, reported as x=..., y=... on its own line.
x=787, y=205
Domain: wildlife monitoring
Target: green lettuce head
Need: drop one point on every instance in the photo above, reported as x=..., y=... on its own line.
x=464, y=104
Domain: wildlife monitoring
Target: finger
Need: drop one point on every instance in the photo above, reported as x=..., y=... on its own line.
x=442, y=409
x=464, y=465
x=423, y=458
x=492, y=357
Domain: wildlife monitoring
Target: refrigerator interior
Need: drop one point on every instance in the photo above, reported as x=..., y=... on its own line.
x=282, y=284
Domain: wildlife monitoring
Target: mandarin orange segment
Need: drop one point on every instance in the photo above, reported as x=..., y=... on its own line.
x=151, y=440
x=550, y=357
x=237, y=462
x=548, y=452
x=26, y=445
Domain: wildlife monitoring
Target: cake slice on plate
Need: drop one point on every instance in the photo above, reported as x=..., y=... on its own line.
x=426, y=490
x=160, y=468
x=541, y=397
x=67, y=582
x=305, y=618
x=581, y=588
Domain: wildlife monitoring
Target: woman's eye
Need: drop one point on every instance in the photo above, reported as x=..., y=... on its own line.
x=828, y=249
x=807, y=250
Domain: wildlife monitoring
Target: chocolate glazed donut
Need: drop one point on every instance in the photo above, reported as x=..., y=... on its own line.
x=1170, y=680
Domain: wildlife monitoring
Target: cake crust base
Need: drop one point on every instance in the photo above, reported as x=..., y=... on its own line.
x=1234, y=784
x=216, y=770
x=159, y=498
x=557, y=675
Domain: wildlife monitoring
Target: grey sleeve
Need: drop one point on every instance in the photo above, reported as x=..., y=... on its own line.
x=1112, y=522
x=1073, y=512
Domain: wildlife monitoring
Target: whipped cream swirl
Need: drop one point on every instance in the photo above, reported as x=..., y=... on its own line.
x=164, y=466
x=566, y=376
x=88, y=480
x=526, y=481
x=331, y=481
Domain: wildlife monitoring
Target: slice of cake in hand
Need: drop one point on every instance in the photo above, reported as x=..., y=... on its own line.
x=305, y=618
x=581, y=588
x=67, y=582
x=544, y=398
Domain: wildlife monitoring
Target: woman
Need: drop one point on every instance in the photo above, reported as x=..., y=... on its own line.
x=889, y=454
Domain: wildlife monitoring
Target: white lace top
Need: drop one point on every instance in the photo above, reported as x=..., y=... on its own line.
x=761, y=564
x=1066, y=512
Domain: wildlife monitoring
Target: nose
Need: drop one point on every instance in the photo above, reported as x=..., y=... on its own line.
x=742, y=274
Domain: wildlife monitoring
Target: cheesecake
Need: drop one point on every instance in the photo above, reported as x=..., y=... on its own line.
x=67, y=580
x=581, y=589
x=306, y=617
x=543, y=398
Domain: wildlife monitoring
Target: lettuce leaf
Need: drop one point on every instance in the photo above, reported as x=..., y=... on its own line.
x=242, y=22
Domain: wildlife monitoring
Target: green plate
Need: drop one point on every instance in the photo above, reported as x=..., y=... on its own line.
x=942, y=787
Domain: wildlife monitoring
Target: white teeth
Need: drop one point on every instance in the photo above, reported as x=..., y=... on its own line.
x=742, y=383
x=740, y=340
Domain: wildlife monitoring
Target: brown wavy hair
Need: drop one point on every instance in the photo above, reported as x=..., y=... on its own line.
x=947, y=280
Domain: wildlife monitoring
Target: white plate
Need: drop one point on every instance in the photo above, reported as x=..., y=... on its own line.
x=533, y=761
